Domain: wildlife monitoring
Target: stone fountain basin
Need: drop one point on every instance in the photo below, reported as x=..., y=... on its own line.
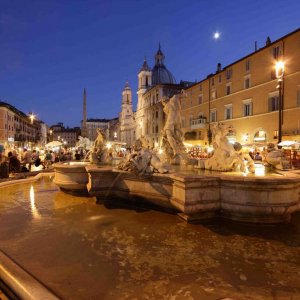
x=254, y=199
x=71, y=177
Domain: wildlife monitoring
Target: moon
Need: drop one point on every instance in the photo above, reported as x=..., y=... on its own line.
x=216, y=35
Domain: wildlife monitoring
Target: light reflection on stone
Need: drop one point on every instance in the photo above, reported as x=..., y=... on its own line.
x=35, y=213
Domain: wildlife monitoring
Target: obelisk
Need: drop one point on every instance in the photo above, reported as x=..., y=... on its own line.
x=83, y=127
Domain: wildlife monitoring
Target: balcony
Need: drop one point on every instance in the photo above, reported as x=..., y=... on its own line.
x=198, y=123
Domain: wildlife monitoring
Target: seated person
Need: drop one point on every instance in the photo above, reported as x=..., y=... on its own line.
x=14, y=163
x=257, y=156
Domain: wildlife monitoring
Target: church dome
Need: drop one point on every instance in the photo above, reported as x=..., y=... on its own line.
x=160, y=74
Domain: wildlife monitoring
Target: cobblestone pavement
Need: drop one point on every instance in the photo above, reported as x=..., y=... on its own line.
x=84, y=250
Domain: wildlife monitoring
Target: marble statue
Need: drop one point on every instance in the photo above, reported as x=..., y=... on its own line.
x=84, y=142
x=226, y=157
x=99, y=152
x=172, y=143
x=276, y=158
x=143, y=161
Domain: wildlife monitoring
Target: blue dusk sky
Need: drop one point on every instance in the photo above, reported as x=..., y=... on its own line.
x=51, y=49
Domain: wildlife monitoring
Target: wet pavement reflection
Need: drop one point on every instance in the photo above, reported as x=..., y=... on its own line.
x=82, y=249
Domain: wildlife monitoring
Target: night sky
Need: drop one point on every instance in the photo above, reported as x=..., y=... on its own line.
x=51, y=49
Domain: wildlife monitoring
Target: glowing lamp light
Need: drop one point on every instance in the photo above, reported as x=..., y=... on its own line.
x=108, y=145
x=31, y=117
x=210, y=149
x=259, y=170
x=279, y=68
x=160, y=151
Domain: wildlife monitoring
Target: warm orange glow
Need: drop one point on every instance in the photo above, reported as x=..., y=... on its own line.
x=31, y=117
x=279, y=67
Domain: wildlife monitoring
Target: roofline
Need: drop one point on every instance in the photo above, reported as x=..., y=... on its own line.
x=13, y=109
x=244, y=57
x=260, y=49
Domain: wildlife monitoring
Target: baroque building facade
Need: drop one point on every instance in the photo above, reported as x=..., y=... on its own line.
x=126, y=118
x=154, y=86
x=245, y=94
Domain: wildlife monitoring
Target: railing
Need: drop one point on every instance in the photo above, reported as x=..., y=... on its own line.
x=198, y=123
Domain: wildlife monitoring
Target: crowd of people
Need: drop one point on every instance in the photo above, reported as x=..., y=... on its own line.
x=26, y=160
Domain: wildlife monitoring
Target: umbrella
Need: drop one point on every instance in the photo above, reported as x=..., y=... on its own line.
x=53, y=144
x=287, y=143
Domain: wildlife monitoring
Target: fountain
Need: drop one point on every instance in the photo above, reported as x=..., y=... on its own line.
x=229, y=185
x=72, y=177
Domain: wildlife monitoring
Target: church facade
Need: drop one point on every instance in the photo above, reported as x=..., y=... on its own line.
x=154, y=86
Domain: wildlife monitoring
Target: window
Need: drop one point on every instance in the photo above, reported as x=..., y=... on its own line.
x=260, y=136
x=247, y=65
x=213, y=95
x=228, y=89
x=228, y=74
x=213, y=81
x=228, y=112
x=273, y=102
x=298, y=98
x=247, y=82
x=247, y=107
x=200, y=99
x=276, y=52
x=275, y=134
x=213, y=115
x=220, y=78
x=200, y=87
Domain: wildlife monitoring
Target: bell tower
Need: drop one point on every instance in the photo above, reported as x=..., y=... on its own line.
x=144, y=82
x=127, y=124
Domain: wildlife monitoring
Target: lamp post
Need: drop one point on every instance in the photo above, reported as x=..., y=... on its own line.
x=51, y=136
x=279, y=68
x=31, y=117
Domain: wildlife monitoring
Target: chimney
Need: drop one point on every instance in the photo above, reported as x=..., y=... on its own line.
x=268, y=41
x=219, y=67
x=255, y=46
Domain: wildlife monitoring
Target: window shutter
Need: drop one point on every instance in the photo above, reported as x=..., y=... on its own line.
x=270, y=104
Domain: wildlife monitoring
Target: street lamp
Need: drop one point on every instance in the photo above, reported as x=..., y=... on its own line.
x=31, y=117
x=51, y=136
x=279, y=71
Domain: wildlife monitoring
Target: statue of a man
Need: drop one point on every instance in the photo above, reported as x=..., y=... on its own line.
x=171, y=129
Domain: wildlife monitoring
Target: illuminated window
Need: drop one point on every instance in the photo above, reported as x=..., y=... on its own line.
x=260, y=136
